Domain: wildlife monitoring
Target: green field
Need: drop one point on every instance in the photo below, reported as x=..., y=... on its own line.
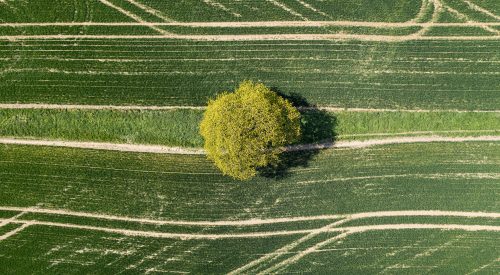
x=451, y=177
x=427, y=74
x=138, y=73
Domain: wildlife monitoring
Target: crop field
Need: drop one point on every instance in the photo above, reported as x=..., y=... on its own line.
x=102, y=169
x=161, y=197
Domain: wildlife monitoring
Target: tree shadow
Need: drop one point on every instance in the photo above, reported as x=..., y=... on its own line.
x=318, y=126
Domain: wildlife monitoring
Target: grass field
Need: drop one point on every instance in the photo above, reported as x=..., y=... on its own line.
x=180, y=127
x=139, y=72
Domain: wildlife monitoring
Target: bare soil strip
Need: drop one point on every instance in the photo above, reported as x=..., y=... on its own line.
x=133, y=16
x=287, y=9
x=273, y=255
x=186, y=236
x=96, y=107
x=310, y=7
x=150, y=10
x=253, y=222
x=142, y=107
x=285, y=249
x=260, y=37
x=482, y=10
x=9, y=220
x=484, y=266
x=419, y=133
x=105, y=146
x=258, y=24
x=221, y=7
x=305, y=252
x=466, y=18
x=387, y=141
x=159, y=149
x=422, y=11
x=422, y=176
x=437, y=9
x=15, y=231
x=354, y=230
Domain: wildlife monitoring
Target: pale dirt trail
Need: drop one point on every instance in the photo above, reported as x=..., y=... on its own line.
x=221, y=7
x=253, y=222
x=96, y=107
x=466, y=18
x=269, y=257
x=361, y=229
x=138, y=148
x=15, y=231
x=422, y=11
x=257, y=263
x=186, y=236
x=173, y=107
x=133, y=16
x=304, y=253
x=481, y=9
x=250, y=222
x=287, y=9
x=419, y=133
x=150, y=10
x=260, y=37
x=159, y=149
x=387, y=141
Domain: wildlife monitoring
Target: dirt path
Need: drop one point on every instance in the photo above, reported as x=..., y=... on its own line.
x=186, y=236
x=261, y=37
x=173, y=107
x=95, y=107
x=150, y=10
x=159, y=149
x=386, y=141
x=361, y=229
x=334, y=226
x=138, y=148
x=481, y=9
x=133, y=16
x=15, y=231
x=253, y=222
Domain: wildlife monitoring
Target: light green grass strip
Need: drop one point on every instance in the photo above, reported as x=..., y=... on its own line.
x=180, y=127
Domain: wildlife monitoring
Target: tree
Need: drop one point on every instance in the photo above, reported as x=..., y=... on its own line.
x=247, y=129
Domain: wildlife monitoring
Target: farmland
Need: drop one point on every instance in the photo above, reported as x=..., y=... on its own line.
x=397, y=171
x=402, y=177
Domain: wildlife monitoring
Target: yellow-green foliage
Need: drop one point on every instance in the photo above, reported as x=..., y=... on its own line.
x=247, y=129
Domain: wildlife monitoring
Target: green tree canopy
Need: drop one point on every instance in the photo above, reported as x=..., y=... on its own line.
x=247, y=129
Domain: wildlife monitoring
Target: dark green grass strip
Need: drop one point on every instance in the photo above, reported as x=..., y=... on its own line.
x=356, y=10
x=60, y=11
x=414, y=74
x=432, y=176
x=74, y=251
